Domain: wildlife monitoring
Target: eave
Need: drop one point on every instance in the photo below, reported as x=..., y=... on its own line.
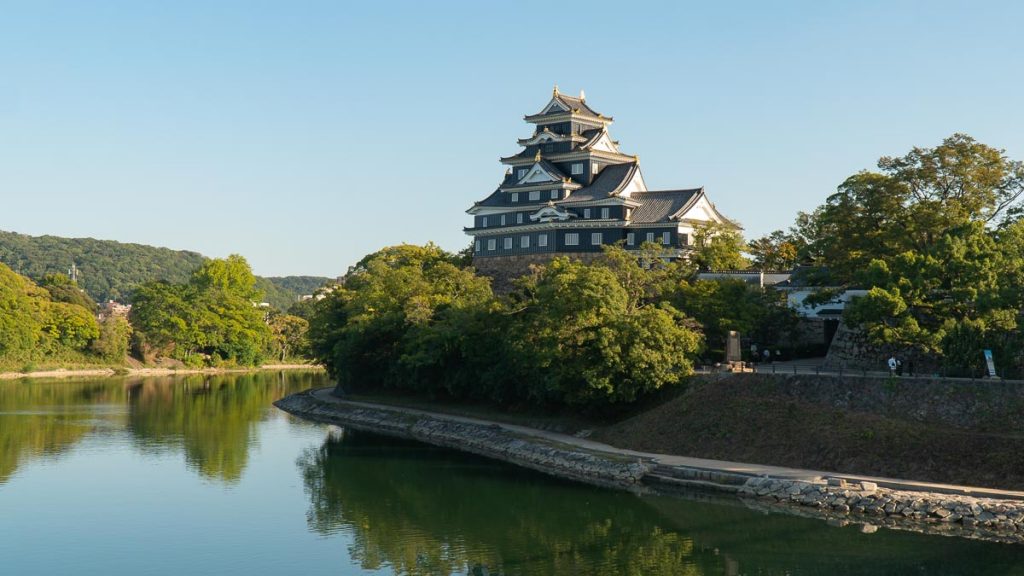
x=613, y=157
x=573, y=116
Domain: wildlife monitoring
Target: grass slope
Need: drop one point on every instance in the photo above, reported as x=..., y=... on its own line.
x=729, y=420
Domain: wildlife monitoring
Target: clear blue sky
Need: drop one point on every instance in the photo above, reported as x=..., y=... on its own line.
x=303, y=135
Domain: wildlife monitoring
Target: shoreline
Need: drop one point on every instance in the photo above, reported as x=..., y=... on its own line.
x=105, y=372
x=942, y=509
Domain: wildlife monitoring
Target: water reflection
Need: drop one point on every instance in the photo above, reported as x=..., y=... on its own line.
x=423, y=511
x=419, y=510
x=209, y=418
x=45, y=421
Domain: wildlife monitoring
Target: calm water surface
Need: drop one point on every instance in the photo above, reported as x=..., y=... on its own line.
x=202, y=475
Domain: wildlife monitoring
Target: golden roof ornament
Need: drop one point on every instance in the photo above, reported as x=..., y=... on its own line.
x=583, y=97
x=536, y=157
x=554, y=91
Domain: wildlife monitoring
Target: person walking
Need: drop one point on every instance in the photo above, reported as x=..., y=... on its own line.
x=892, y=365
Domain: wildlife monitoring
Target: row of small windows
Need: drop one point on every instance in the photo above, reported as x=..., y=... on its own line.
x=666, y=238
x=576, y=170
x=524, y=242
x=535, y=195
x=573, y=239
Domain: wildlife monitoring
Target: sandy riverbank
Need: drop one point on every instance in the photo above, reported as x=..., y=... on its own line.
x=101, y=372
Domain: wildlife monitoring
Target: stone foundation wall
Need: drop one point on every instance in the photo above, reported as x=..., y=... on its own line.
x=851, y=349
x=504, y=270
x=979, y=406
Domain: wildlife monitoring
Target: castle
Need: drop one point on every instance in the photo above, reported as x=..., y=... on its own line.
x=570, y=190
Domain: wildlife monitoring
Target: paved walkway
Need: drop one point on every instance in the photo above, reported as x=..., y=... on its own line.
x=325, y=395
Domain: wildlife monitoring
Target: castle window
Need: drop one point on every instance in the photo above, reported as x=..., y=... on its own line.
x=524, y=241
x=554, y=194
x=492, y=244
x=515, y=196
x=630, y=238
x=596, y=239
x=483, y=222
x=502, y=219
x=508, y=243
x=520, y=173
x=577, y=169
x=572, y=239
x=519, y=218
x=666, y=238
x=684, y=239
x=535, y=195
x=542, y=240
x=477, y=246
x=586, y=212
x=604, y=213
x=650, y=236
x=595, y=168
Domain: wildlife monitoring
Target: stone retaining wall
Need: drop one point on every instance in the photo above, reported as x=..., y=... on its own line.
x=980, y=405
x=955, y=515
x=485, y=440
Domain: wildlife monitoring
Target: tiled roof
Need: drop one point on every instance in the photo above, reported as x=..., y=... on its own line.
x=608, y=181
x=573, y=102
x=660, y=205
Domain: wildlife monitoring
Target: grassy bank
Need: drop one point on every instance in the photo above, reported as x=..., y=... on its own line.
x=779, y=421
x=765, y=421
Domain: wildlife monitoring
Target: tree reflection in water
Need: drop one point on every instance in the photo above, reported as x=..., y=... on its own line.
x=425, y=511
x=210, y=418
x=39, y=420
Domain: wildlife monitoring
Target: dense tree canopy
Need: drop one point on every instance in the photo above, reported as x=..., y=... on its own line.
x=718, y=247
x=935, y=238
x=590, y=335
x=110, y=270
x=213, y=318
x=35, y=327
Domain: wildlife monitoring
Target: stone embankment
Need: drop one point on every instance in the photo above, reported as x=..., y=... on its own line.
x=492, y=441
x=949, y=514
x=937, y=509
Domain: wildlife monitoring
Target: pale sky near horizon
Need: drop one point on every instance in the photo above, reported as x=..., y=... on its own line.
x=304, y=135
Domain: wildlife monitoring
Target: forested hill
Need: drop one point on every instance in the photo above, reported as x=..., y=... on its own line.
x=108, y=270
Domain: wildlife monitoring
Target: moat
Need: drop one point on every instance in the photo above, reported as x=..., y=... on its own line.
x=202, y=475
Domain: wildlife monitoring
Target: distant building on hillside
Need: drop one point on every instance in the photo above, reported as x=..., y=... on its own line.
x=570, y=190
x=110, y=309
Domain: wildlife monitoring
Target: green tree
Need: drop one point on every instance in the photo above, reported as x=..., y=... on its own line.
x=214, y=318
x=718, y=247
x=590, y=346
x=114, y=337
x=288, y=335
x=775, y=251
x=934, y=237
